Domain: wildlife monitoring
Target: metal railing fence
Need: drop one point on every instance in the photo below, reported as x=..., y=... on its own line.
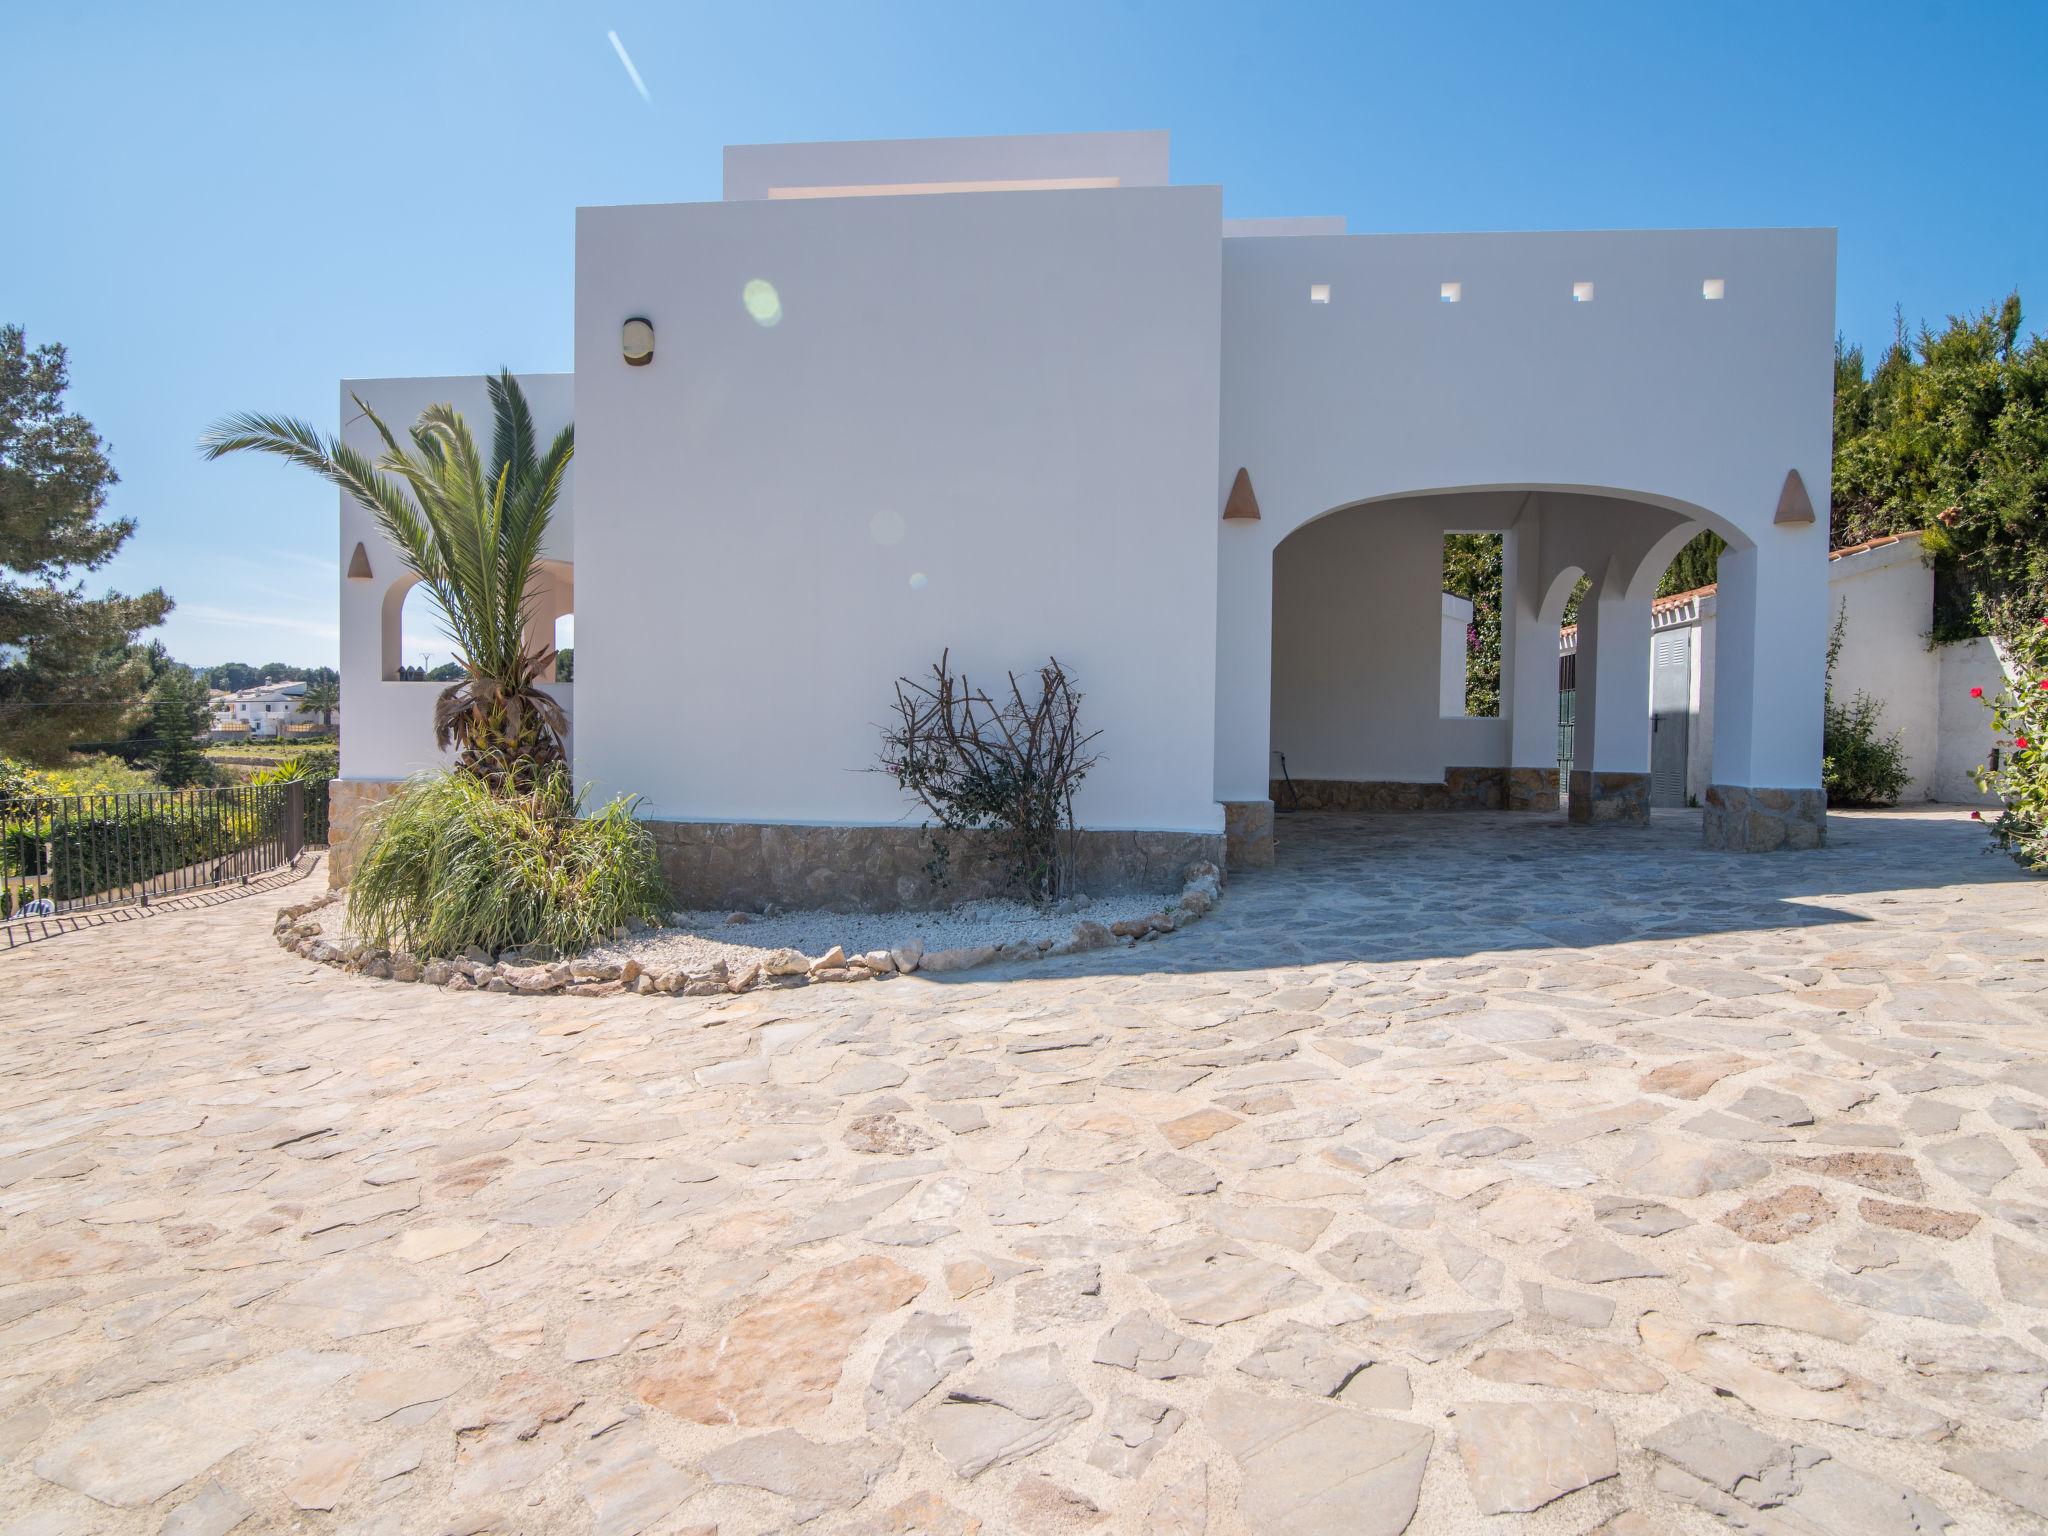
x=76, y=852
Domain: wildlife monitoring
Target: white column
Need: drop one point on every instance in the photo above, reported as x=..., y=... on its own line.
x=1535, y=610
x=1613, y=712
x=1611, y=734
x=1770, y=665
x=1244, y=688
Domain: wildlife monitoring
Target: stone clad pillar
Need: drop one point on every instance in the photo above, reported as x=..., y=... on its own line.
x=1771, y=622
x=1611, y=737
x=1248, y=833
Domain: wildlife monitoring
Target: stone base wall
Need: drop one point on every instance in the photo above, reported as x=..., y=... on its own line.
x=745, y=866
x=1534, y=789
x=1463, y=789
x=347, y=801
x=1600, y=798
x=1248, y=833
x=1743, y=820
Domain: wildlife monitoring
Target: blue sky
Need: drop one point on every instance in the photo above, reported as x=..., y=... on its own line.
x=221, y=207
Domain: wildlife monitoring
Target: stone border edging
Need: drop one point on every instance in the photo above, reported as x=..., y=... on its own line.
x=1201, y=890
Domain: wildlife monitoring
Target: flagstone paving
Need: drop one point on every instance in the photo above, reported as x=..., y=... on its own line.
x=1462, y=1173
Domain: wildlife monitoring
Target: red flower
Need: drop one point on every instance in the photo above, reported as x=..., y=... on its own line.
x=1976, y=815
x=2019, y=743
x=1976, y=693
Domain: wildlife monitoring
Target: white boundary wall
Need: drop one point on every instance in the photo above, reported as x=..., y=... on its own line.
x=1887, y=594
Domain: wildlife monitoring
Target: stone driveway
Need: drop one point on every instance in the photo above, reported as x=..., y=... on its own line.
x=1464, y=1173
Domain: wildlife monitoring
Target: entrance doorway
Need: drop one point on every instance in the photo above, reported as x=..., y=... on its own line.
x=1670, y=714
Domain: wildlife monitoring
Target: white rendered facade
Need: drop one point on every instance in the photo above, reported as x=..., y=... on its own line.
x=879, y=422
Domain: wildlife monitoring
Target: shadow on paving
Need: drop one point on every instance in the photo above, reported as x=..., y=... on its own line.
x=1354, y=888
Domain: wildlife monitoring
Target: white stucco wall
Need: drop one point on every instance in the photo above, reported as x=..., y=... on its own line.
x=984, y=421
x=870, y=167
x=1964, y=737
x=1887, y=596
x=1452, y=654
x=1385, y=390
x=1362, y=686
x=390, y=732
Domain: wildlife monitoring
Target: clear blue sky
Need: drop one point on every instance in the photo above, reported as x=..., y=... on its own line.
x=221, y=207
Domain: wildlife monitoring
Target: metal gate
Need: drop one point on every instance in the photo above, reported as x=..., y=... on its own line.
x=1567, y=713
x=1670, y=714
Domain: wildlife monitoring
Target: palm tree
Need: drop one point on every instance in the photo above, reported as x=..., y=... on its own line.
x=321, y=699
x=472, y=534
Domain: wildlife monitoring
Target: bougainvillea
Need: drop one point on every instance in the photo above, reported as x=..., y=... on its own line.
x=2018, y=775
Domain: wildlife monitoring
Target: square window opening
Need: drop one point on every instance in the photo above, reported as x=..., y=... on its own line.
x=1582, y=293
x=1714, y=288
x=1450, y=293
x=1319, y=293
x=1468, y=671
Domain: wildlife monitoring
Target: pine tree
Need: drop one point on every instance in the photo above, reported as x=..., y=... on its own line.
x=177, y=718
x=68, y=666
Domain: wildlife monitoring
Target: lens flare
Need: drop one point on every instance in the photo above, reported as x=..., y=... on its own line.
x=762, y=302
x=886, y=528
x=917, y=581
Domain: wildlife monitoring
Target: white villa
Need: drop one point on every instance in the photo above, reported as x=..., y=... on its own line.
x=264, y=711
x=1025, y=396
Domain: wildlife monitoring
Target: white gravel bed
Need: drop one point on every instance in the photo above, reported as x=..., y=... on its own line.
x=694, y=941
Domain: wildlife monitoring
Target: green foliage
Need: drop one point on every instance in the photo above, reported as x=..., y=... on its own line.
x=306, y=763
x=565, y=664
x=98, y=775
x=177, y=719
x=1859, y=766
x=452, y=862
x=321, y=699
x=1948, y=435
x=2019, y=714
x=1695, y=566
x=316, y=768
x=68, y=669
x=1472, y=569
x=472, y=533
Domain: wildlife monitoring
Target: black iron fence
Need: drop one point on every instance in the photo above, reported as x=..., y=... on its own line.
x=68, y=853
x=1567, y=714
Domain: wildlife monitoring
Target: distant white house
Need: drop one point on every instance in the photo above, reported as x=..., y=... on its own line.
x=1023, y=397
x=1884, y=593
x=267, y=710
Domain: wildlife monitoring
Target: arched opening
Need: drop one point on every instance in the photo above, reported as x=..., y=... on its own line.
x=550, y=617
x=1361, y=714
x=565, y=648
x=416, y=647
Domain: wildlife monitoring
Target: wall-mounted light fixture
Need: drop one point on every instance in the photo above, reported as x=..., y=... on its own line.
x=636, y=342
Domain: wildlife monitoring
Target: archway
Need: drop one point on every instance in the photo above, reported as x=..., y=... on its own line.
x=1354, y=678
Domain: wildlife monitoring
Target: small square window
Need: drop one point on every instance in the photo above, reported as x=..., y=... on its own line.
x=1582, y=293
x=1450, y=293
x=1714, y=288
x=1319, y=293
